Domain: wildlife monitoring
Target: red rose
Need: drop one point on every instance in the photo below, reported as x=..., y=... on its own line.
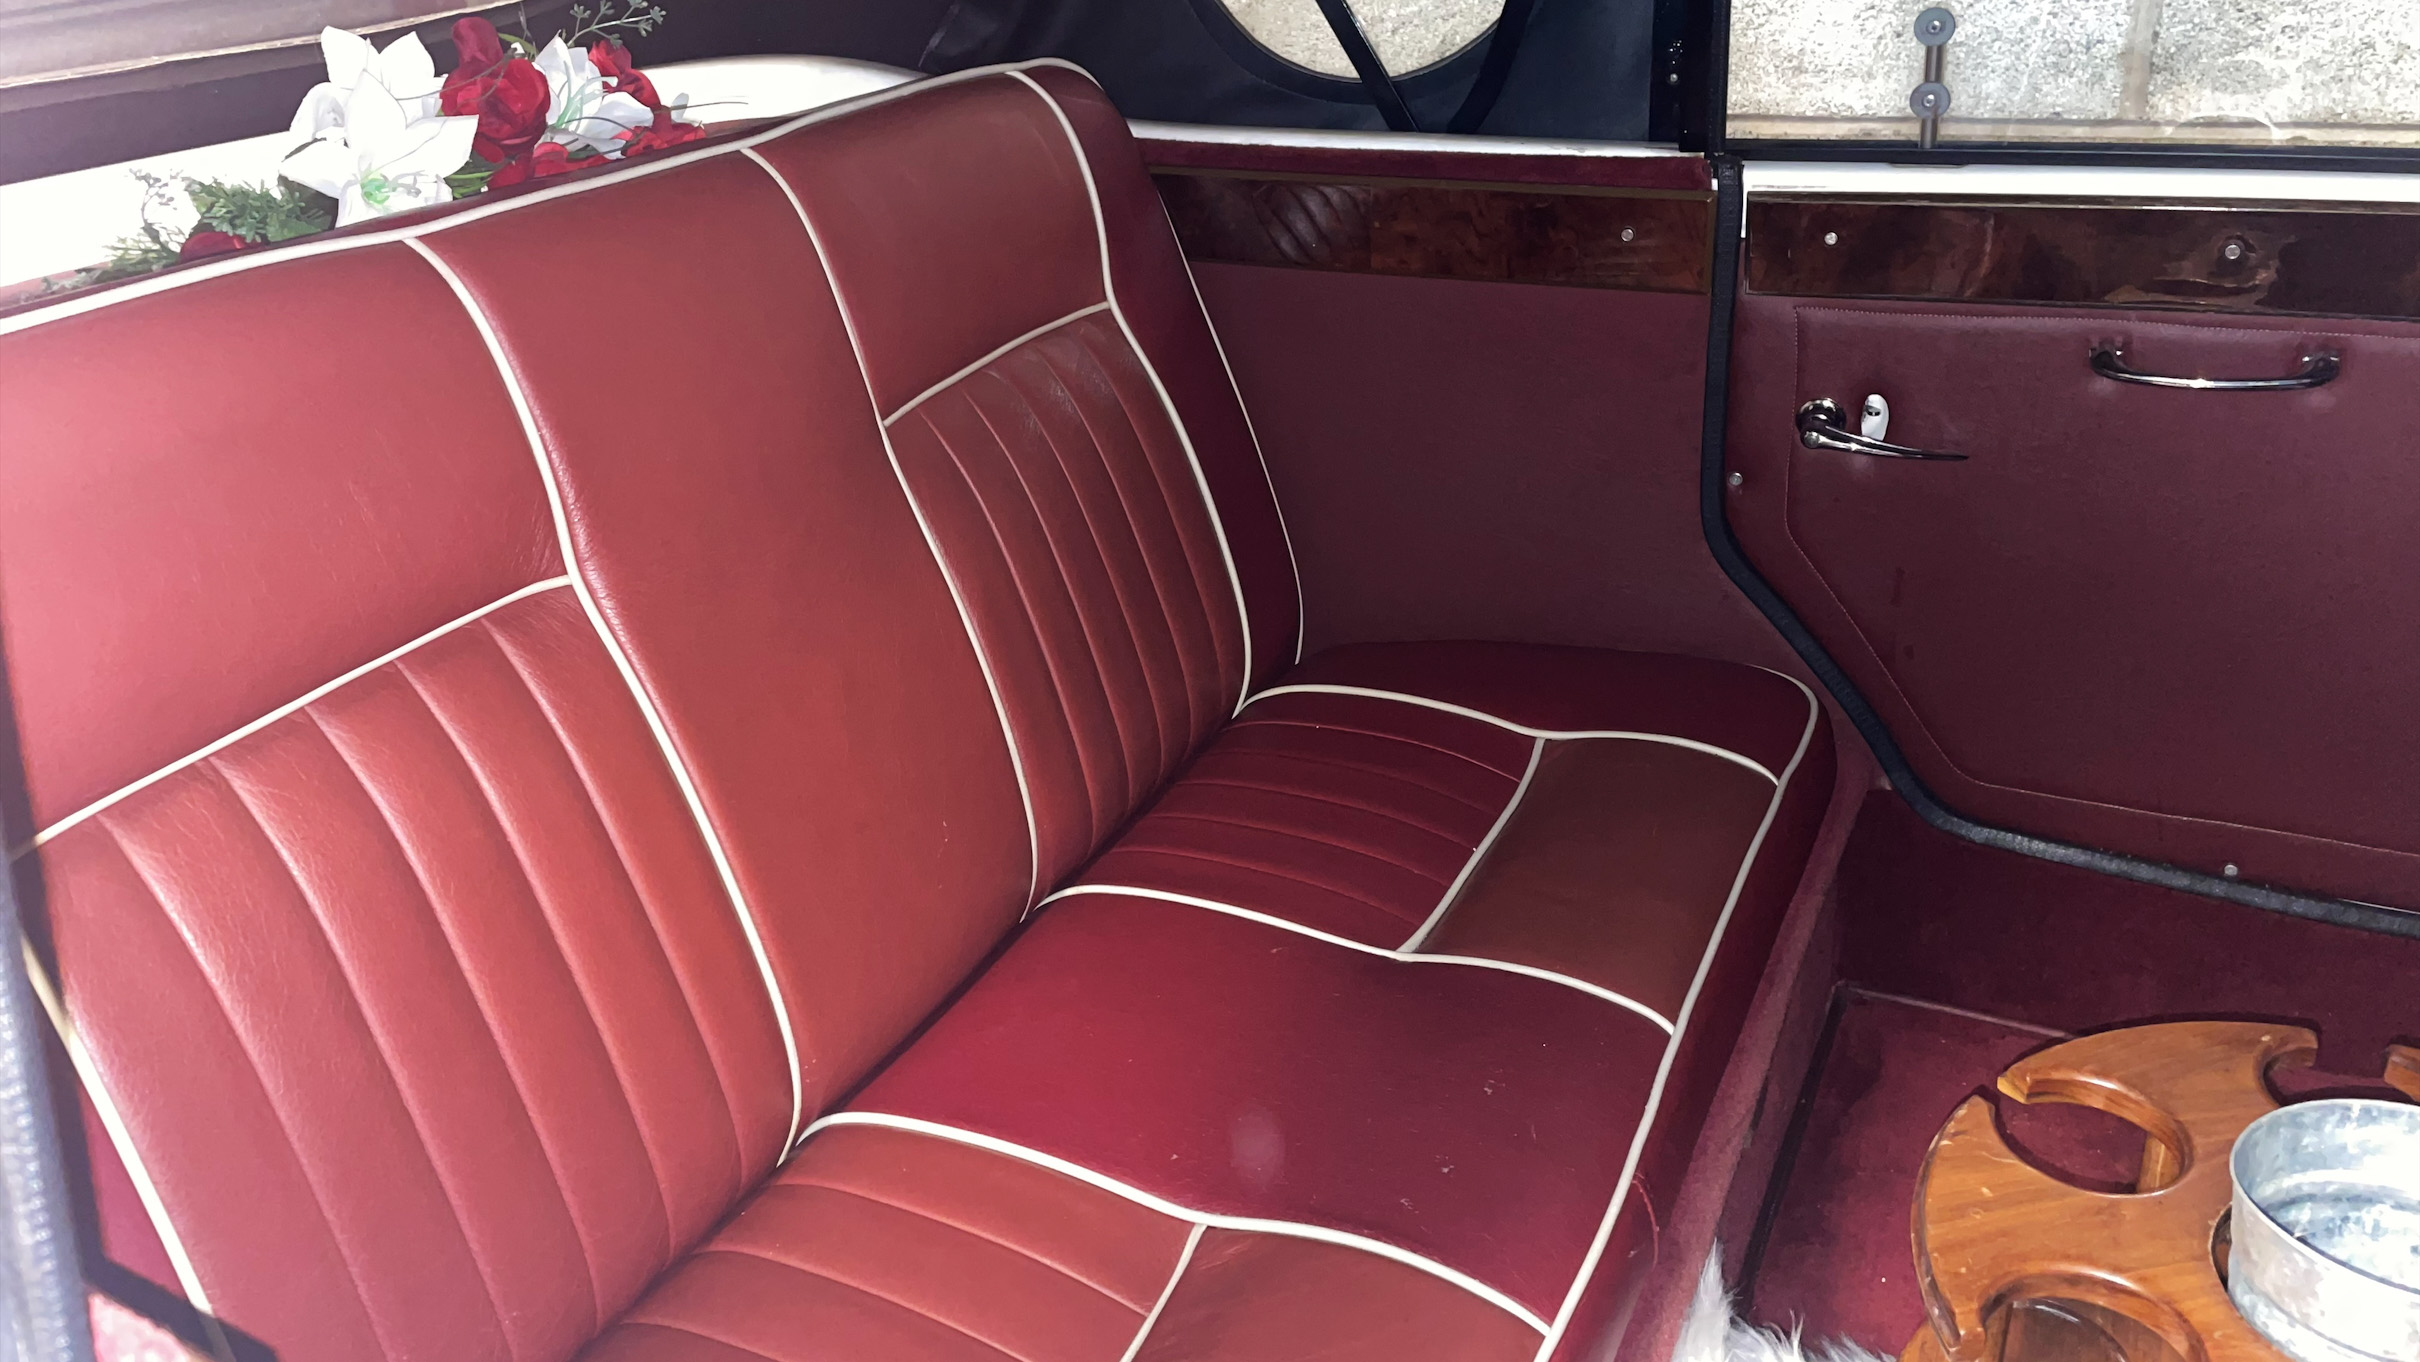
x=621, y=77
x=507, y=94
x=204, y=243
x=476, y=46
x=666, y=131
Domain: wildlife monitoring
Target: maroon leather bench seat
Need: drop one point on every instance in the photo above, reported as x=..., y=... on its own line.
x=517, y=754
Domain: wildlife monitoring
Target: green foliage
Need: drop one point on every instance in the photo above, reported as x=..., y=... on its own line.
x=141, y=253
x=638, y=17
x=276, y=213
x=256, y=213
x=471, y=178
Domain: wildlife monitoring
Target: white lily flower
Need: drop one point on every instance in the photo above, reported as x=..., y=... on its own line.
x=380, y=158
x=405, y=69
x=579, y=114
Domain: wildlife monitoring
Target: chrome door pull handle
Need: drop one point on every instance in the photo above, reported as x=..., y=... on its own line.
x=1823, y=425
x=2319, y=366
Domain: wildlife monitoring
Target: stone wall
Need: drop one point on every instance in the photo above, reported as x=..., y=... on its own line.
x=2239, y=71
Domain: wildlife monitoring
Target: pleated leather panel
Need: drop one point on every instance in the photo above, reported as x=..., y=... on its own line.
x=1071, y=519
x=1346, y=813
x=876, y=1245
x=424, y=1006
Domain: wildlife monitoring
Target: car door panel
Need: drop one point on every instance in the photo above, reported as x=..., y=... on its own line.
x=2178, y=624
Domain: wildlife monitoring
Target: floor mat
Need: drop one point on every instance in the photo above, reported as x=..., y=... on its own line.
x=1835, y=1254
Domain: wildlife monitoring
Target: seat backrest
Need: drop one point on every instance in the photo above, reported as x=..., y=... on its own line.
x=1063, y=421
x=524, y=708
x=392, y=952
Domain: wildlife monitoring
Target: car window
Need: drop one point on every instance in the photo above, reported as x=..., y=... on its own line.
x=2255, y=73
x=1408, y=35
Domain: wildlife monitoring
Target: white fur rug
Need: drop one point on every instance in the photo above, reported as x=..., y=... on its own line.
x=1713, y=1334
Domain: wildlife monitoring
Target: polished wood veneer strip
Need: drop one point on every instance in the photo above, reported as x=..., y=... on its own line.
x=1463, y=163
x=1584, y=237
x=2297, y=260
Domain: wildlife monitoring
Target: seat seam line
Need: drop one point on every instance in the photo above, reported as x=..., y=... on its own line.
x=1307, y=756
x=800, y=1180
x=1478, y=855
x=1373, y=733
x=1323, y=887
x=1097, y=353
x=588, y=789
x=1198, y=781
x=1098, y=640
x=994, y=357
x=1062, y=692
x=324, y=689
x=554, y=937
x=1347, y=848
x=1170, y=750
x=487, y=1026
x=868, y=1292
x=277, y=1112
x=1200, y=494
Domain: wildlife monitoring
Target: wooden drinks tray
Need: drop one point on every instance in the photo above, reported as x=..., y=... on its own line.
x=2018, y=1266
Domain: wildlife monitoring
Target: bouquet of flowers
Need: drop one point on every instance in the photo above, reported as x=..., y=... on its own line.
x=384, y=133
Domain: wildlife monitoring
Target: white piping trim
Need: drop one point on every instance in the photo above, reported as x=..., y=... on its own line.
x=239, y=262
x=1663, y=1069
x=1109, y=290
x=1302, y=627
x=1250, y=1224
x=511, y=379
x=932, y=541
x=969, y=370
x=1557, y=734
x=1183, y=1260
x=1478, y=853
x=104, y=802
x=121, y=1139
x=1399, y=956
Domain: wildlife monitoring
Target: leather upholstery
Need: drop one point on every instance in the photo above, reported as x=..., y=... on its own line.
x=1249, y=1297
x=842, y=740
x=1614, y=867
x=1239, y=1069
x=874, y=1244
x=1349, y=815
x=1157, y=299
x=509, y=815
x=482, y=1049
x=2178, y=625
x=1064, y=508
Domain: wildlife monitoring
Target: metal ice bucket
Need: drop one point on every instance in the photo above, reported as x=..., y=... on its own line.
x=2326, y=1257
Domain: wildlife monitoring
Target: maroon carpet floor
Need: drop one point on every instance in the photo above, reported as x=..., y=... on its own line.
x=1836, y=1256
x=2008, y=953
x=1926, y=915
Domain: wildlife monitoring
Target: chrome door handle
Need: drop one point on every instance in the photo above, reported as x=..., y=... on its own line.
x=2319, y=366
x=1822, y=425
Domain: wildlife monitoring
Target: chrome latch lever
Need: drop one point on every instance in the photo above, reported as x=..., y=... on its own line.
x=1823, y=425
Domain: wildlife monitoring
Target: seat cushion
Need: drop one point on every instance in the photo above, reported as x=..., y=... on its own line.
x=1587, y=813
x=1476, y=1118
x=881, y=1245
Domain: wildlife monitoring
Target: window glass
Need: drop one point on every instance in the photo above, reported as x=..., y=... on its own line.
x=43, y=40
x=2241, y=72
x=1408, y=35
